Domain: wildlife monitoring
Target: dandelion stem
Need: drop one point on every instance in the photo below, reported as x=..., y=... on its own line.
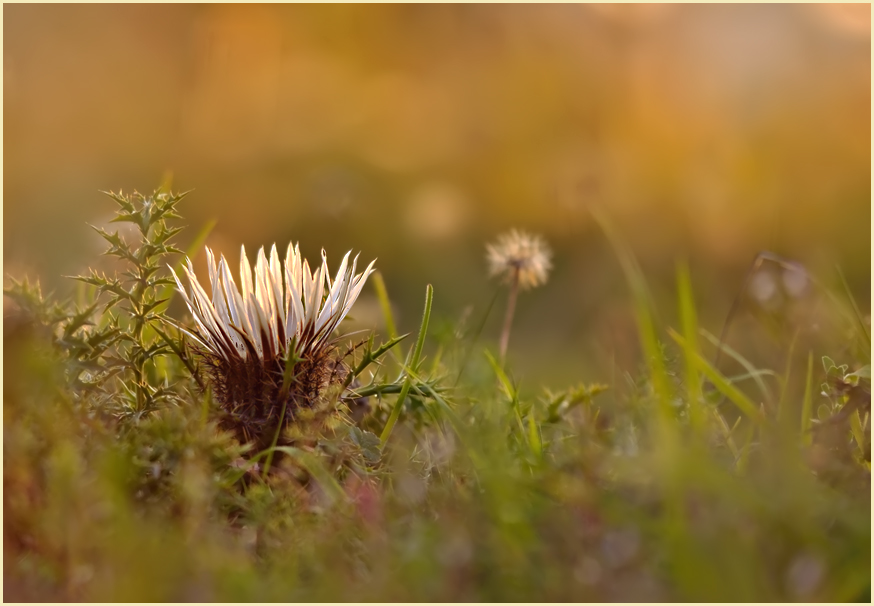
x=508, y=318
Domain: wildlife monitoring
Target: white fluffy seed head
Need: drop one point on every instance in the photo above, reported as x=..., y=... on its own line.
x=522, y=253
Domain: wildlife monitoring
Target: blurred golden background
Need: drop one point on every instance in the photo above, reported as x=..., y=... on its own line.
x=417, y=133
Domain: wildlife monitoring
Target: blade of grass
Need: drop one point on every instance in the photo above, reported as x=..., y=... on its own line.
x=384, y=303
x=511, y=391
x=720, y=382
x=807, y=403
x=435, y=365
x=476, y=336
x=503, y=379
x=762, y=372
x=741, y=461
x=643, y=312
x=858, y=431
x=689, y=322
x=781, y=403
x=413, y=365
x=748, y=366
x=727, y=433
x=858, y=314
x=534, y=439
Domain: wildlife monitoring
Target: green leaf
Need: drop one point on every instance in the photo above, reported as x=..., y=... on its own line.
x=828, y=364
x=367, y=442
x=80, y=319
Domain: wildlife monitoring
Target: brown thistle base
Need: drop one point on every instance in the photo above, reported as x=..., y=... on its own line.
x=251, y=396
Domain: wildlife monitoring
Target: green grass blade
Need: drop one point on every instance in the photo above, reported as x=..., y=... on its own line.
x=503, y=379
x=858, y=314
x=413, y=365
x=509, y=389
x=747, y=448
x=857, y=431
x=731, y=392
x=643, y=311
x=784, y=381
x=747, y=365
x=384, y=303
x=807, y=403
x=689, y=322
x=534, y=439
x=482, y=324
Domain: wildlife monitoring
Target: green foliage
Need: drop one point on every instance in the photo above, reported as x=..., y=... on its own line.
x=120, y=486
x=133, y=299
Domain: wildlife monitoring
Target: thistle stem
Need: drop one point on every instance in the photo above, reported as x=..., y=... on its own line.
x=275, y=439
x=508, y=317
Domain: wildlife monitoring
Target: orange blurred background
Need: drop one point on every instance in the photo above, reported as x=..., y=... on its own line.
x=417, y=133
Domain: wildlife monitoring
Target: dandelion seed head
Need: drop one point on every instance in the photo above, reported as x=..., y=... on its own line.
x=518, y=251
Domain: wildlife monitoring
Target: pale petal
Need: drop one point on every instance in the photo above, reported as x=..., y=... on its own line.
x=218, y=300
x=206, y=316
x=248, y=292
x=278, y=290
x=265, y=299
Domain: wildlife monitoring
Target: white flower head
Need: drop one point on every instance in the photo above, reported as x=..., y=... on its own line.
x=279, y=305
x=522, y=256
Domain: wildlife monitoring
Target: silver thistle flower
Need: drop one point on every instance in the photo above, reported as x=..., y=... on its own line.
x=270, y=313
x=284, y=312
x=520, y=256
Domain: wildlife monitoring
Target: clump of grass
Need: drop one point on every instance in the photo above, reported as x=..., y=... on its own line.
x=670, y=488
